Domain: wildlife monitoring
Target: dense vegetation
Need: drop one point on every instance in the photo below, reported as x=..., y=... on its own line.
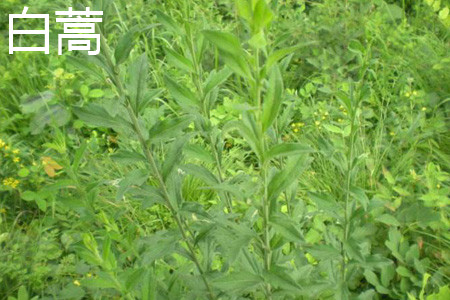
x=256, y=149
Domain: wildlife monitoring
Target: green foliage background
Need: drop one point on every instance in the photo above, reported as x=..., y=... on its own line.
x=229, y=150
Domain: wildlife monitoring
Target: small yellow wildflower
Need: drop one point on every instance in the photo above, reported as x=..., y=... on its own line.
x=16, y=159
x=11, y=182
x=324, y=117
x=317, y=123
x=58, y=72
x=69, y=76
x=392, y=133
x=326, y=113
x=438, y=186
x=424, y=108
x=296, y=130
x=408, y=94
x=340, y=120
x=300, y=124
x=2, y=143
x=16, y=151
x=6, y=148
x=414, y=93
x=76, y=282
x=293, y=125
x=89, y=275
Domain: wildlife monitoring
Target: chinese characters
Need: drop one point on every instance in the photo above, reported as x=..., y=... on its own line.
x=78, y=31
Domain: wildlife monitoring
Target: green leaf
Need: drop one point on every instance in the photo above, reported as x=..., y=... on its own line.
x=262, y=16
x=179, y=61
x=231, y=51
x=247, y=133
x=128, y=157
x=277, y=55
x=23, y=172
x=181, y=94
x=168, y=22
x=225, y=42
x=216, y=78
x=96, y=93
x=283, y=179
x=22, y=294
x=41, y=203
x=134, y=178
x=174, y=156
x=35, y=103
x=404, y=272
x=169, y=128
x=287, y=149
x=245, y=9
x=196, y=151
x=333, y=129
x=56, y=115
x=124, y=46
x=286, y=228
x=324, y=252
x=273, y=98
x=360, y=196
x=201, y=172
x=96, y=115
x=137, y=84
x=29, y=196
x=239, y=281
x=388, y=220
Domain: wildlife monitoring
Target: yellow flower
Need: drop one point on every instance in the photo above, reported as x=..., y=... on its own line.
x=296, y=130
x=392, y=133
x=317, y=123
x=6, y=148
x=16, y=151
x=58, y=72
x=16, y=159
x=424, y=108
x=2, y=143
x=89, y=275
x=438, y=186
x=414, y=93
x=11, y=182
x=340, y=120
x=408, y=94
x=76, y=282
x=69, y=76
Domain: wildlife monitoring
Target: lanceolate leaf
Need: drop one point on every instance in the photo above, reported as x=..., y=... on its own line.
x=169, y=128
x=96, y=115
x=273, y=99
x=231, y=51
x=182, y=95
x=217, y=78
x=124, y=47
x=138, y=81
x=286, y=149
x=238, y=282
x=282, y=180
x=179, y=61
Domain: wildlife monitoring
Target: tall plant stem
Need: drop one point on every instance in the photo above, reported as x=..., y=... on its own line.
x=154, y=168
x=264, y=175
x=197, y=77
